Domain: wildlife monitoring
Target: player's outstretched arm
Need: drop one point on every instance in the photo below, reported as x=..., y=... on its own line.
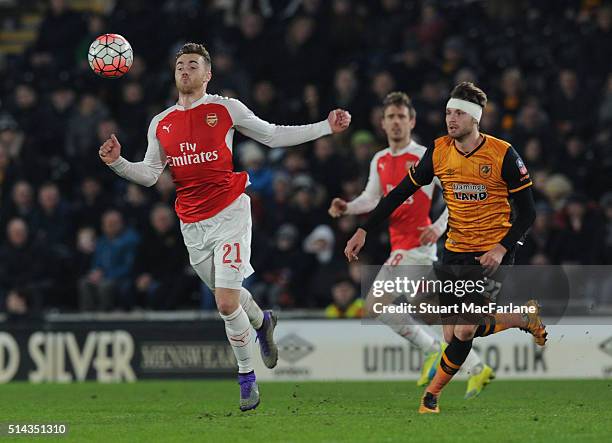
x=143, y=173
x=383, y=210
x=275, y=136
x=337, y=208
x=110, y=150
x=366, y=201
x=339, y=120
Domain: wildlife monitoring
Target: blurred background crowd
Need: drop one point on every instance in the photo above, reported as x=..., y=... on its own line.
x=76, y=237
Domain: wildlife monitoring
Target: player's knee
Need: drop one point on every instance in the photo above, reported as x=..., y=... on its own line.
x=448, y=333
x=465, y=332
x=226, y=305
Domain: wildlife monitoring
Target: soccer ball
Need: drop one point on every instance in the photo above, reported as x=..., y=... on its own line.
x=110, y=56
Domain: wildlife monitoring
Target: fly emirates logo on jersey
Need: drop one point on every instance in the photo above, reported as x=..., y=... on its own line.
x=191, y=156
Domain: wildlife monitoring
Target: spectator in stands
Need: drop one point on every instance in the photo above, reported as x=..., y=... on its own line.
x=133, y=114
x=17, y=304
x=410, y=68
x=108, y=284
x=327, y=167
x=325, y=265
x=26, y=110
x=266, y=103
x=252, y=44
x=531, y=121
x=26, y=263
x=345, y=300
x=56, y=42
x=160, y=262
x=7, y=178
x=57, y=115
x=309, y=109
x=166, y=192
x=277, y=205
x=577, y=163
x=570, y=104
x=82, y=126
x=511, y=98
x=253, y=161
x=52, y=220
x=346, y=95
x=283, y=279
x=539, y=240
x=80, y=262
x=579, y=241
x=363, y=146
x=490, y=123
x=303, y=211
x=90, y=204
x=21, y=205
x=11, y=137
x=136, y=206
x=382, y=83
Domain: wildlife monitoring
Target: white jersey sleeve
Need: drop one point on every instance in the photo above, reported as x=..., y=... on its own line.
x=371, y=195
x=440, y=224
x=147, y=171
x=270, y=134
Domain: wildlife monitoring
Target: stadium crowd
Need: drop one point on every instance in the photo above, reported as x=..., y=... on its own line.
x=77, y=237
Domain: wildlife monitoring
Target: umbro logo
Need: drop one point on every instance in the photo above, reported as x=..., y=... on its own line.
x=167, y=128
x=292, y=348
x=450, y=171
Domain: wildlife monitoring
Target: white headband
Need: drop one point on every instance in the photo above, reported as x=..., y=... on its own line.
x=471, y=108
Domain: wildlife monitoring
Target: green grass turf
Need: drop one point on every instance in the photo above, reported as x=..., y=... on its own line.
x=576, y=410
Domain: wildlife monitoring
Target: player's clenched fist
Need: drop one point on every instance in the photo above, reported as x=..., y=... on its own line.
x=337, y=207
x=110, y=150
x=354, y=245
x=339, y=120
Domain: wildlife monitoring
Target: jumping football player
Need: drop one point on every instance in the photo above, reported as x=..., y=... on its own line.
x=413, y=236
x=194, y=138
x=479, y=174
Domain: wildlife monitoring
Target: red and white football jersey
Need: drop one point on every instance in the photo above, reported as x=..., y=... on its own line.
x=387, y=169
x=196, y=143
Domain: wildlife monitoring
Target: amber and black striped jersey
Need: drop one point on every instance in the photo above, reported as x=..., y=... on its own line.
x=476, y=188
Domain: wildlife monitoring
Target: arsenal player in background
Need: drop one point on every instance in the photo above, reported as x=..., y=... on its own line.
x=413, y=235
x=194, y=138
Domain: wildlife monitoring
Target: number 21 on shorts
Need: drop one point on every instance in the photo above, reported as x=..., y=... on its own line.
x=230, y=251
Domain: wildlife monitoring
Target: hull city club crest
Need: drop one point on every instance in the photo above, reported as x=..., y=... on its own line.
x=211, y=120
x=485, y=171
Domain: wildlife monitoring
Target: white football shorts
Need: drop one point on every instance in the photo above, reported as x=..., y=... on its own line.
x=220, y=247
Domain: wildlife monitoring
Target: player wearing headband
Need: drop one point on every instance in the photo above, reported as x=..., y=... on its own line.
x=479, y=174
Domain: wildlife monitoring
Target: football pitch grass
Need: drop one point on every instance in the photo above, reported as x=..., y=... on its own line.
x=207, y=411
